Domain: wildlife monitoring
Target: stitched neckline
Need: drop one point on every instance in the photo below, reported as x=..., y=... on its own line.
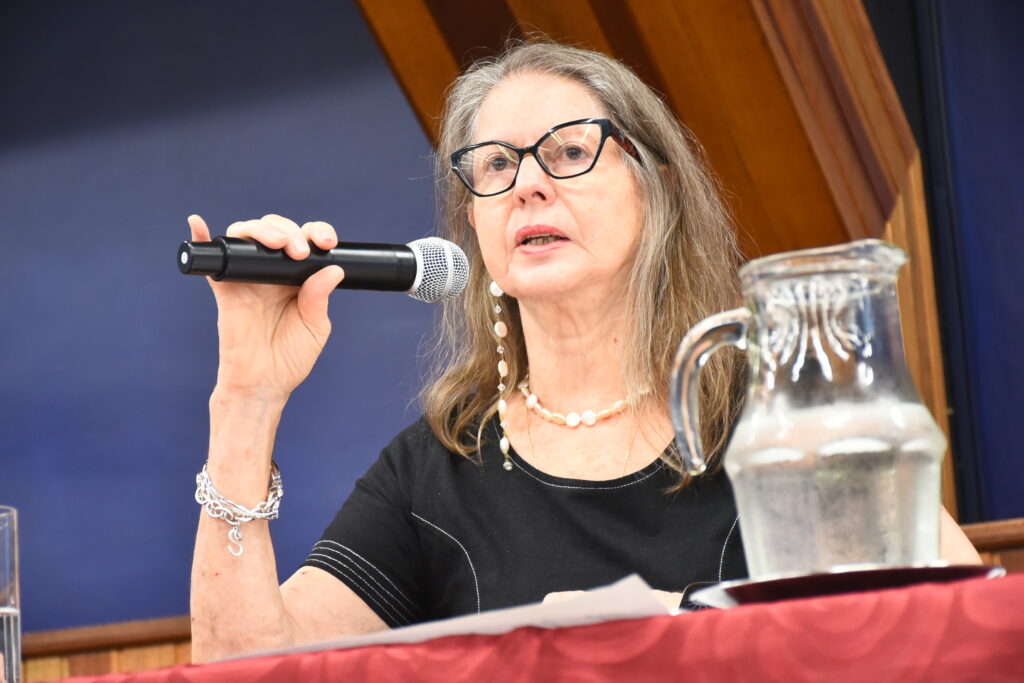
x=579, y=484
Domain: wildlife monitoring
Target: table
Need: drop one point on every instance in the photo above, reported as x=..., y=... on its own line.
x=964, y=631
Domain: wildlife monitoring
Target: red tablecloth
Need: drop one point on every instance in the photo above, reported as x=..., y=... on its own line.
x=964, y=631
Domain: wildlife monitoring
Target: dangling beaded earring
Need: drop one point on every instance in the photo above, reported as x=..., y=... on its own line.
x=500, y=332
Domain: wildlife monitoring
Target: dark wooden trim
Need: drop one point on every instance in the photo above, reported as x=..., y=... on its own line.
x=417, y=52
x=623, y=36
x=106, y=636
x=989, y=536
x=473, y=29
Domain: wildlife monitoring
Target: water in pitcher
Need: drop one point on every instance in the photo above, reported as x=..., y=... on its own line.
x=837, y=485
x=10, y=645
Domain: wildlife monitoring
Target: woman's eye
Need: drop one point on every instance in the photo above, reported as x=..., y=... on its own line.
x=496, y=162
x=573, y=153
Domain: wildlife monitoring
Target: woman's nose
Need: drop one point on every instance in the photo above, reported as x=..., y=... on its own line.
x=532, y=182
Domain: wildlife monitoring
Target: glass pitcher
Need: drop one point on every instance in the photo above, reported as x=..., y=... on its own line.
x=834, y=460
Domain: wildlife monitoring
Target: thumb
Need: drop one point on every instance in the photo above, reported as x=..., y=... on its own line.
x=200, y=233
x=314, y=295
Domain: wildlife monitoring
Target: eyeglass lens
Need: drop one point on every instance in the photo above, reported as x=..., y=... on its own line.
x=564, y=152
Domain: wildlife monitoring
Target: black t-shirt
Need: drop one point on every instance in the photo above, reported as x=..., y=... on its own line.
x=427, y=534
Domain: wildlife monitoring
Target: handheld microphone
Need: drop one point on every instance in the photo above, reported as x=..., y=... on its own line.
x=429, y=269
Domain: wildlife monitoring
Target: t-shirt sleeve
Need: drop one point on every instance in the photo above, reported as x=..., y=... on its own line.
x=371, y=546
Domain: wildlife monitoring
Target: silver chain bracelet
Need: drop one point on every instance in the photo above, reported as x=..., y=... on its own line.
x=219, y=507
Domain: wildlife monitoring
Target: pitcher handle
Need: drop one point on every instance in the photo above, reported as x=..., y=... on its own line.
x=727, y=327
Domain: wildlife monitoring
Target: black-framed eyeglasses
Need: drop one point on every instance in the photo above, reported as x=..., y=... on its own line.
x=566, y=151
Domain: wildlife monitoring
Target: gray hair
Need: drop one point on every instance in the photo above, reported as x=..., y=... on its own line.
x=685, y=267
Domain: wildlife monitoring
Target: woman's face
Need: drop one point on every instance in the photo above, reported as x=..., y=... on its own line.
x=596, y=217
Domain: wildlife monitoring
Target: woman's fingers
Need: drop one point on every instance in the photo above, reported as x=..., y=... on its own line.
x=275, y=232
x=200, y=231
x=297, y=247
x=313, y=298
x=321, y=234
x=266, y=234
x=278, y=232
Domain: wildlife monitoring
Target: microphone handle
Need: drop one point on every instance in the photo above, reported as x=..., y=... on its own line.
x=378, y=267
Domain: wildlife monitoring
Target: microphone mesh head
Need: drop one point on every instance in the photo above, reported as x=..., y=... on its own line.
x=443, y=270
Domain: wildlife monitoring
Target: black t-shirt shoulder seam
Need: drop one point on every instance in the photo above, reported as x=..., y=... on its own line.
x=469, y=559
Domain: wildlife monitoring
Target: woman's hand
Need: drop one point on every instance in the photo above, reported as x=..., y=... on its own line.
x=271, y=335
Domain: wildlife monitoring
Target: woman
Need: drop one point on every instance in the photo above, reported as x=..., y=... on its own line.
x=596, y=239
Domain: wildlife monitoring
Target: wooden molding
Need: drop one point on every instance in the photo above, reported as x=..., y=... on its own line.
x=908, y=229
x=106, y=636
x=990, y=536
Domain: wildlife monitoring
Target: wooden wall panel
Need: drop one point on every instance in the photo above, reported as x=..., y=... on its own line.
x=1000, y=543
x=723, y=81
x=823, y=100
x=112, y=660
x=574, y=21
x=424, y=58
x=108, y=648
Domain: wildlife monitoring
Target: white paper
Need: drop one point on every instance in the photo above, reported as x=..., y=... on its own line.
x=628, y=598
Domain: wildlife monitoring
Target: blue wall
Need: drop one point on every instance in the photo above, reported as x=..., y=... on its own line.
x=982, y=55
x=118, y=120
x=955, y=65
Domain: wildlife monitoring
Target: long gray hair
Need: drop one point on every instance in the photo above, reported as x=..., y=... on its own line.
x=685, y=267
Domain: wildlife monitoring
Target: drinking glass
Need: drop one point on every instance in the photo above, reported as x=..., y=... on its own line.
x=10, y=607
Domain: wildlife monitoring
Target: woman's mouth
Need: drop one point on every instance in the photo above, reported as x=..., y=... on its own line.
x=539, y=236
x=541, y=239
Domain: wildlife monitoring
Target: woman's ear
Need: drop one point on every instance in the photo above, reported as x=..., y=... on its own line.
x=469, y=215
